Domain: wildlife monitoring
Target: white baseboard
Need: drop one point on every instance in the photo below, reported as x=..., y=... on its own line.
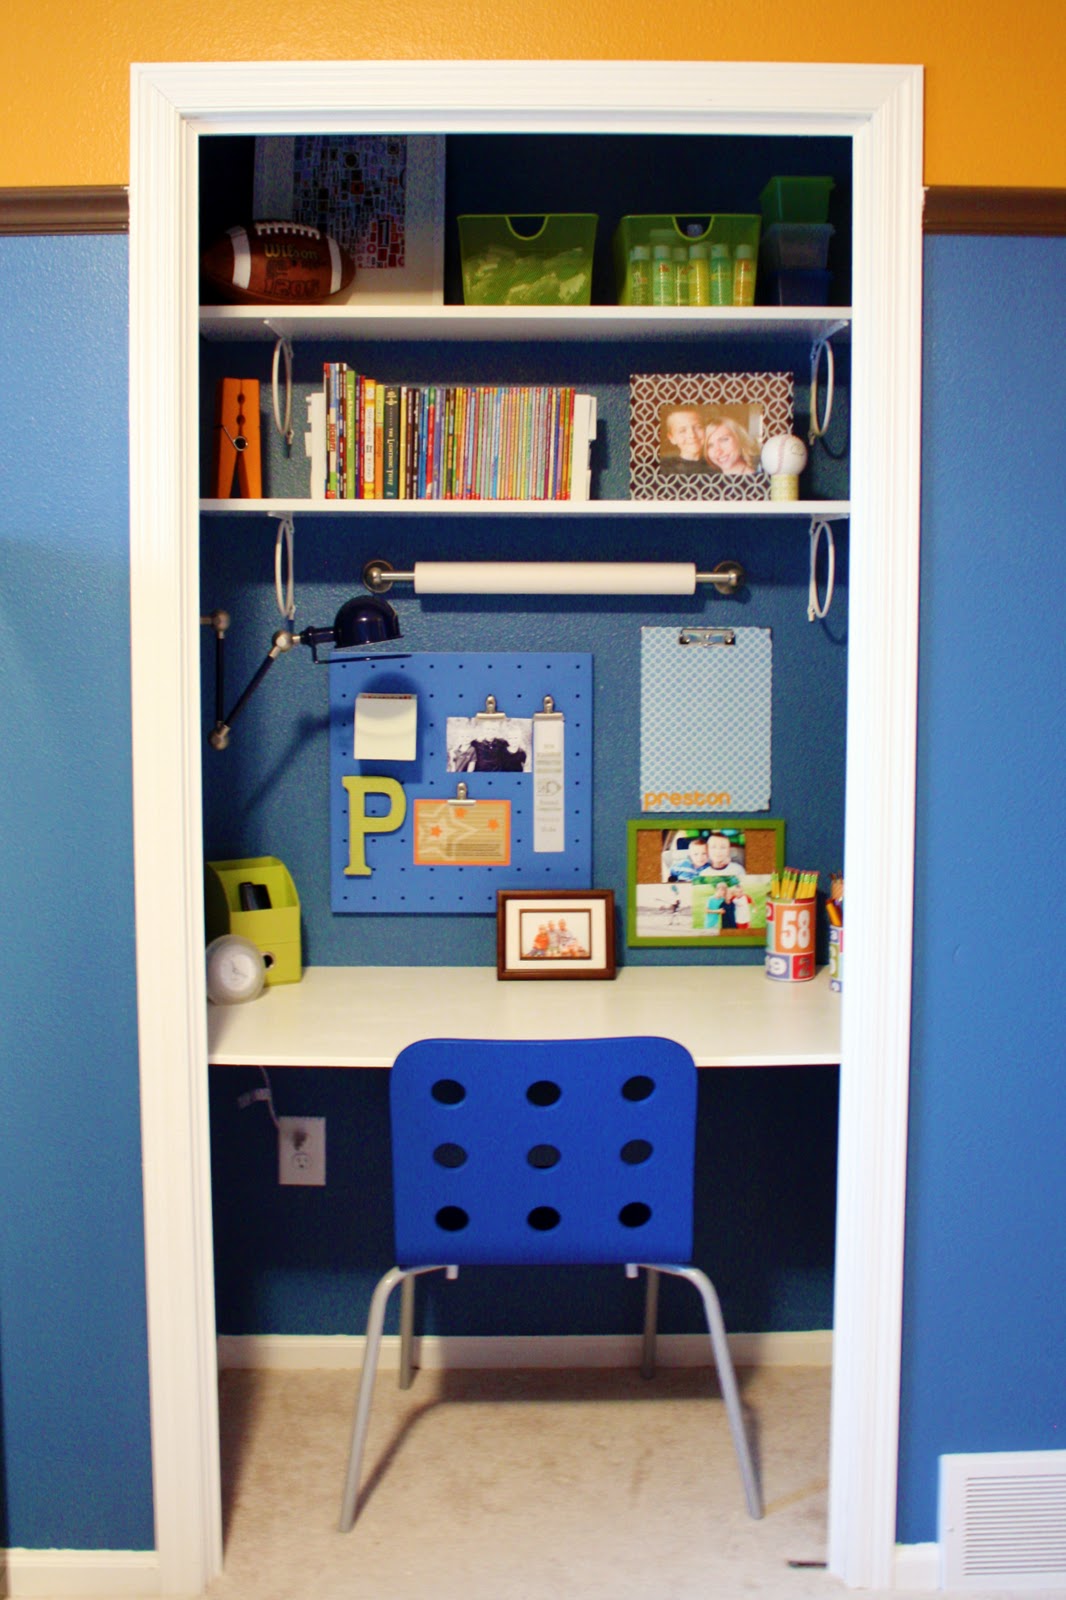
x=916, y=1567
x=87, y=1574
x=295, y=1352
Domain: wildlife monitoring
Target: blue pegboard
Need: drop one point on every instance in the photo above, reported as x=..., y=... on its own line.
x=450, y=685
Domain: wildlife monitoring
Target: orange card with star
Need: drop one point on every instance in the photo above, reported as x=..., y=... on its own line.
x=471, y=833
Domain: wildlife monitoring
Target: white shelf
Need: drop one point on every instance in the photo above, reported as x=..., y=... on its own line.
x=829, y=510
x=364, y=1016
x=614, y=323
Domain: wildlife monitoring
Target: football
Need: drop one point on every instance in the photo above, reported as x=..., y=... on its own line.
x=277, y=263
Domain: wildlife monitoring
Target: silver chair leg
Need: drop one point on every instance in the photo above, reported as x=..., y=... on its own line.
x=407, y=1332
x=361, y=1420
x=651, y=1321
x=726, y=1380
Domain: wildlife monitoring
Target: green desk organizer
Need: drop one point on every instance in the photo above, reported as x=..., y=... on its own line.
x=275, y=931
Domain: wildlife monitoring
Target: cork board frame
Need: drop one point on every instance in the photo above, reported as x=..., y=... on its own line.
x=683, y=890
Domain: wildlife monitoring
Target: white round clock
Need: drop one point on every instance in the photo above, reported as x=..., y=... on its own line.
x=235, y=969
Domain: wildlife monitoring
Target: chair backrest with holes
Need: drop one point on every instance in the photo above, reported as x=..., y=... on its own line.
x=543, y=1151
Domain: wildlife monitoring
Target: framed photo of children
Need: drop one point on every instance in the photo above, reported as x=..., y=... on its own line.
x=700, y=881
x=699, y=435
x=563, y=933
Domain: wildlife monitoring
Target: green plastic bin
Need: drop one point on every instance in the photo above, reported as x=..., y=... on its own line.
x=527, y=260
x=796, y=200
x=708, y=228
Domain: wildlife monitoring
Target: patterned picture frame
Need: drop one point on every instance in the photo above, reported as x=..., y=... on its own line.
x=698, y=436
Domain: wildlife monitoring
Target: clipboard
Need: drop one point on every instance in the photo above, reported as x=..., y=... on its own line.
x=705, y=719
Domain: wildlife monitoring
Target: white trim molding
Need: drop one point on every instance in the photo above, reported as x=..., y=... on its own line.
x=273, y=1352
x=880, y=108
x=916, y=1568
x=87, y=1574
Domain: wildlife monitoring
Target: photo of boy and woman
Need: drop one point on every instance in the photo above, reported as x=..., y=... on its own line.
x=702, y=888
x=711, y=440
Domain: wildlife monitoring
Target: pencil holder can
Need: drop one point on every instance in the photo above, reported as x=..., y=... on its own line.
x=790, y=940
x=836, y=959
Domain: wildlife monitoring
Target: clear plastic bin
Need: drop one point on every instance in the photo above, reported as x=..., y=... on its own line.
x=796, y=286
x=526, y=260
x=706, y=229
x=790, y=245
x=796, y=200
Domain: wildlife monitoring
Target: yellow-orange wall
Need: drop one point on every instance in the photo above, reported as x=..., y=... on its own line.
x=995, y=106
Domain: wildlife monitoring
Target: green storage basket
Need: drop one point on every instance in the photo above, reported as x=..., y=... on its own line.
x=708, y=228
x=527, y=260
x=796, y=200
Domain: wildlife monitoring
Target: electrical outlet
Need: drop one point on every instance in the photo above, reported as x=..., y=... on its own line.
x=302, y=1150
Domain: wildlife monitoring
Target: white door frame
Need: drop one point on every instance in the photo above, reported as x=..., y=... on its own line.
x=881, y=109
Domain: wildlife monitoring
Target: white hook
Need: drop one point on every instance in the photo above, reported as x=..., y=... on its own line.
x=816, y=611
x=817, y=428
x=286, y=534
x=282, y=347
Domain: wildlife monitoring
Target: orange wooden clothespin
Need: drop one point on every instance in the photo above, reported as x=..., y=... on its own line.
x=238, y=451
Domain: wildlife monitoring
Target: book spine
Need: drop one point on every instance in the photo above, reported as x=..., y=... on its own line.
x=410, y=477
x=351, y=412
x=341, y=374
x=391, y=443
x=370, y=391
x=423, y=442
x=400, y=469
x=430, y=486
x=379, y=441
x=329, y=381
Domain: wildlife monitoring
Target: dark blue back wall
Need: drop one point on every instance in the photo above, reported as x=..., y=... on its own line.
x=73, y=1359
x=985, y=1317
x=983, y=1322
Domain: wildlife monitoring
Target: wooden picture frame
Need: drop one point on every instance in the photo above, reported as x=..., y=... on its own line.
x=564, y=933
x=716, y=903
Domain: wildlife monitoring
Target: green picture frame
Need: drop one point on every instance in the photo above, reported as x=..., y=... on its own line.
x=703, y=899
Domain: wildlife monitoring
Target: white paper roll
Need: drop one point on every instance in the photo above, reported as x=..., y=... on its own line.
x=555, y=577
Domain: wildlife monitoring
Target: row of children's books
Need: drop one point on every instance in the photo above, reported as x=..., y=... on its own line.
x=386, y=441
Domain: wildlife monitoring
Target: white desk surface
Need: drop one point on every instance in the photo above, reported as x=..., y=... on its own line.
x=364, y=1016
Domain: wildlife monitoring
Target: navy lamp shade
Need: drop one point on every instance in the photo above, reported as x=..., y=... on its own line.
x=365, y=619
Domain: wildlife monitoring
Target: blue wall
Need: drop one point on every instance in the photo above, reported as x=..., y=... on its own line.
x=984, y=1353
x=984, y=1326
x=73, y=1362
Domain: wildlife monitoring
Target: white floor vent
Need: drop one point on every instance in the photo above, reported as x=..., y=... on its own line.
x=1003, y=1521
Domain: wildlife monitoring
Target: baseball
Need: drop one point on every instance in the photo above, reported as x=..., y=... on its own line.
x=784, y=456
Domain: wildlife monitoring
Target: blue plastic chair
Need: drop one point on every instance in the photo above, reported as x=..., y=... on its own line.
x=546, y=1152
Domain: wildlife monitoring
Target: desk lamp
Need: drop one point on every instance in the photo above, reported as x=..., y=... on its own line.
x=364, y=619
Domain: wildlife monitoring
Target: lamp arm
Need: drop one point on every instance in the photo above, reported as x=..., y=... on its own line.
x=282, y=642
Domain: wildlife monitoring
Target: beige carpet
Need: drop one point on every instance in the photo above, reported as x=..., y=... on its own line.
x=523, y=1486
